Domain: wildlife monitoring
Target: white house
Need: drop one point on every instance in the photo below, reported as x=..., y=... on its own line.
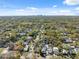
x=55, y=50
x=26, y=48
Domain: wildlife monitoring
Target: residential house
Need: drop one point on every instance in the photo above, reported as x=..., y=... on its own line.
x=56, y=50
x=64, y=52
x=67, y=40
x=46, y=50
x=72, y=50
x=22, y=33
x=26, y=48
x=29, y=38
x=76, y=50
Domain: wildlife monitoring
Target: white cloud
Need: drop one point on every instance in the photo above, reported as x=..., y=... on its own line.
x=66, y=11
x=71, y=2
x=20, y=10
x=54, y=6
x=77, y=8
x=36, y=11
x=33, y=8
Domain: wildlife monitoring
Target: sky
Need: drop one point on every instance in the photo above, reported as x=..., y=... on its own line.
x=39, y=7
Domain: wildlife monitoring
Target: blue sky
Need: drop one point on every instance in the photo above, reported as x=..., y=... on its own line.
x=39, y=7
